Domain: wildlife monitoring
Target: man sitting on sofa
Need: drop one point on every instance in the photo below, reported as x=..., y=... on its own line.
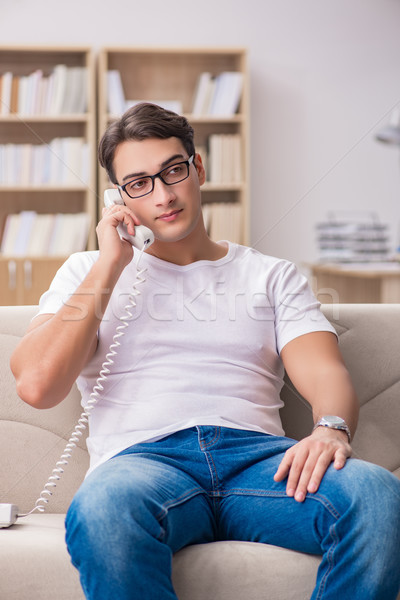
x=185, y=441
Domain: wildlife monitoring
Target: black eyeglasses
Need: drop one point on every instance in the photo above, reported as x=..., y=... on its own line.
x=141, y=186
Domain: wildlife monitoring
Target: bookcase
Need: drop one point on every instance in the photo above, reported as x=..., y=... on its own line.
x=54, y=104
x=47, y=154
x=176, y=78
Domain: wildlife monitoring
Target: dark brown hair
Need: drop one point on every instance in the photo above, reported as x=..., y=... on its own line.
x=143, y=121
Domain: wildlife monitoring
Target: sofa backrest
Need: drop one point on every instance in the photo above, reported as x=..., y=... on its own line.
x=32, y=441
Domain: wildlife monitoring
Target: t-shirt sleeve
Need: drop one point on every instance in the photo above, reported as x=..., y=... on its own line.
x=67, y=279
x=297, y=311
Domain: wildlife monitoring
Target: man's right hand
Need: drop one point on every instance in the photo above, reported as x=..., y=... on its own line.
x=111, y=246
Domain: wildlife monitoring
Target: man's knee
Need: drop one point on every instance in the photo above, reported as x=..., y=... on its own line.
x=372, y=482
x=371, y=493
x=114, y=504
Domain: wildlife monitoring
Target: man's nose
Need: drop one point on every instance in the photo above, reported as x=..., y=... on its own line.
x=163, y=193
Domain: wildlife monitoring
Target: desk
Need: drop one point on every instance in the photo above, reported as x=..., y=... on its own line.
x=353, y=283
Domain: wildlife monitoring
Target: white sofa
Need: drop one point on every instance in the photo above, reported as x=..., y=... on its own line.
x=34, y=561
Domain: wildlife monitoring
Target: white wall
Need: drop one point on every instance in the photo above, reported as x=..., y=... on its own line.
x=325, y=75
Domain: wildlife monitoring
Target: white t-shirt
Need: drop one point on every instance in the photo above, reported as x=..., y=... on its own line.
x=201, y=348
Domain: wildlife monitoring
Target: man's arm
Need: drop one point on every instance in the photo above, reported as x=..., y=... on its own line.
x=316, y=368
x=56, y=347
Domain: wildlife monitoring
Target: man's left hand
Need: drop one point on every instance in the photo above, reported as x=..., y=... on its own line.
x=305, y=463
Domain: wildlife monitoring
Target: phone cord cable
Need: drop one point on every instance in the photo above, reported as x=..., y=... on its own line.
x=47, y=492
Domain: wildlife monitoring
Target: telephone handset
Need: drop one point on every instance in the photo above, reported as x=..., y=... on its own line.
x=143, y=235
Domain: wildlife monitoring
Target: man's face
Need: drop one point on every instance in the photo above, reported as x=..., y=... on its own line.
x=170, y=211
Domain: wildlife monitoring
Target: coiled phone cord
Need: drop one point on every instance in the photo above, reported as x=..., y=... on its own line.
x=47, y=492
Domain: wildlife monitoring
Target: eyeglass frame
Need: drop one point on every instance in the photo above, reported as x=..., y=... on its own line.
x=158, y=175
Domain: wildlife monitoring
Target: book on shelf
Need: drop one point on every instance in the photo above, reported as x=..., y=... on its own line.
x=203, y=151
x=10, y=234
x=6, y=90
x=115, y=93
x=25, y=222
x=203, y=94
x=223, y=221
x=224, y=158
x=61, y=92
x=62, y=162
x=39, y=236
x=218, y=96
x=70, y=233
x=227, y=94
x=31, y=234
x=74, y=101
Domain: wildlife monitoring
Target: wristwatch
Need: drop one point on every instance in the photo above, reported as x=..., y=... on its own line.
x=333, y=423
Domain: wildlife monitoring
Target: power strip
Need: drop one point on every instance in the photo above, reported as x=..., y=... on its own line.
x=8, y=514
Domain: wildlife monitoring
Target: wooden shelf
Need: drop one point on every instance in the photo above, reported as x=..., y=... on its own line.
x=223, y=187
x=41, y=129
x=41, y=188
x=18, y=118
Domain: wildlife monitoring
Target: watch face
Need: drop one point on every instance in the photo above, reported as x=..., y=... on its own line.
x=334, y=423
x=331, y=420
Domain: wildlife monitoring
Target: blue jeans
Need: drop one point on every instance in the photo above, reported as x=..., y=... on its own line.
x=211, y=483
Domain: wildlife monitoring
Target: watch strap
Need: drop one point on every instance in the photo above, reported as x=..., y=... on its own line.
x=329, y=422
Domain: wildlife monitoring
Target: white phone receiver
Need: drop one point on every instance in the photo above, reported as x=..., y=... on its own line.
x=143, y=235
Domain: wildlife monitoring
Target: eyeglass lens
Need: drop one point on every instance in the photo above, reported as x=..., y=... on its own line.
x=169, y=176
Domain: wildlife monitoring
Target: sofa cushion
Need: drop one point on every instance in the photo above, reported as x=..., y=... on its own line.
x=243, y=571
x=37, y=564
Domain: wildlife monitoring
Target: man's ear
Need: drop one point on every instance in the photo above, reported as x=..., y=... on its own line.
x=201, y=172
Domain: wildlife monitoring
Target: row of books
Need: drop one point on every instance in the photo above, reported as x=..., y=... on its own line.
x=223, y=221
x=353, y=241
x=62, y=92
x=218, y=96
x=214, y=96
x=31, y=234
x=224, y=158
x=62, y=162
x=65, y=162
